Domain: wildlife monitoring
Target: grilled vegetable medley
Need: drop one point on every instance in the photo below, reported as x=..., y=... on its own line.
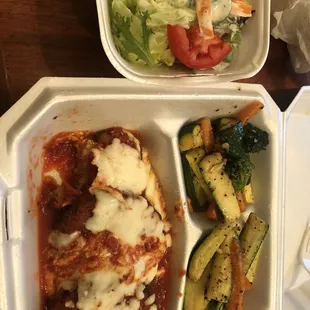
x=200, y=34
x=217, y=165
x=217, y=172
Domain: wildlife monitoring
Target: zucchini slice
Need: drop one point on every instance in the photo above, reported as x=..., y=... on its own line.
x=247, y=194
x=251, y=239
x=194, y=298
x=226, y=122
x=221, y=282
x=186, y=142
x=212, y=167
x=200, y=194
x=197, y=136
x=189, y=185
x=194, y=157
x=215, y=305
x=190, y=140
x=188, y=128
x=252, y=270
x=207, y=249
x=223, y=123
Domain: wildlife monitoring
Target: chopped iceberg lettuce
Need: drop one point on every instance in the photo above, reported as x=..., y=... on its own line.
x=139, y=28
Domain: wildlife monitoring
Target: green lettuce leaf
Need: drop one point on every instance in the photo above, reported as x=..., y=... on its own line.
x=132, y=34
x=162, y=13
x=160, y=49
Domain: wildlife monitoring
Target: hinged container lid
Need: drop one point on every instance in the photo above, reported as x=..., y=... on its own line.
x=296, y=200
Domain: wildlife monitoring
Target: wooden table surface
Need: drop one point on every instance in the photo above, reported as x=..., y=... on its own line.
x=61, y=38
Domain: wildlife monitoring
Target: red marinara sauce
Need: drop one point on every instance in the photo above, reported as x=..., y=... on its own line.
x=67, y=206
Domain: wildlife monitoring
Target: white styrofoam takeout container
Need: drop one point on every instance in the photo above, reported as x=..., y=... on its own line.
x=247, y=62
x=63, y=104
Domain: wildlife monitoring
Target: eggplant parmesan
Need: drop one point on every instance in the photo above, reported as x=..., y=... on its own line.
x=104, y=234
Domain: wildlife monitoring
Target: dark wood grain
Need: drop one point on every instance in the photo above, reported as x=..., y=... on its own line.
x=61, y=38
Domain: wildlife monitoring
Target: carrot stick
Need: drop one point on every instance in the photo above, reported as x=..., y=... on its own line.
x=238, y=279
x=247, y=284
x=212, y=212
x=241, y=203
x=249, y=111
x=207, y=134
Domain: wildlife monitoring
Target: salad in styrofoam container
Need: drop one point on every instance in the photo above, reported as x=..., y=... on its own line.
x=200, y=34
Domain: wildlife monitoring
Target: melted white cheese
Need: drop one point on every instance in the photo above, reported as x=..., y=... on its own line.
x=127, y=221
x=134, y=139
x=55, y=175
x=139, y=268
x=149, y=277
x=68, y=285
x=103, y=290
x=120, y=166
x=153, y=194
x=70, y=304
x=59, y=240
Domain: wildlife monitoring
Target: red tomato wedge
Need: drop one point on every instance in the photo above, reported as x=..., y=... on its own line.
x=193, y=50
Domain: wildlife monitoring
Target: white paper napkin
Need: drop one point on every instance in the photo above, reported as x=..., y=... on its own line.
x=291, y=23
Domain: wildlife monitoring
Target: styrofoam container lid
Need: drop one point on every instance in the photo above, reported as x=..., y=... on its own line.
x=297, y=206
x=247, y=62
